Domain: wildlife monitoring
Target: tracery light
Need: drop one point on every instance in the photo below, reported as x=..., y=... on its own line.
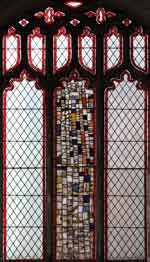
x=24, y=22
x=37, y=51
x=87, y=50
x=73, y=4
x=100, y=14
x=113, y=49
x=49, y=14
x=74, y=107
x=24, y=170
x=125, y=170
x=75, y=22
x=11, y=50
x=139, y=50
x=62, y=49
x=127, y=21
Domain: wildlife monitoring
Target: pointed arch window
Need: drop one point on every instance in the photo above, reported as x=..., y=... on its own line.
x=74, y=159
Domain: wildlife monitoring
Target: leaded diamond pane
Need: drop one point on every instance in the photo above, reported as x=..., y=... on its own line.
x=62, y=49
x=139, y=51
x=125, y=171
x=112, y=50
x=11, y=49
x=36, y=52
x=24, y=192
x=88, y=52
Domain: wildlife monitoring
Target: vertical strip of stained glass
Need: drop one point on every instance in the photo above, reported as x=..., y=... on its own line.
x=75, y=171
x=125, y=170
x=24, y=171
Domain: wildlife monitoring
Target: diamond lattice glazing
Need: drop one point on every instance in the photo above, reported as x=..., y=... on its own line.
x=11, y=50
x=87, y=50
x=125, y=171
x=113, y=47
x=62, y=49
x=24, y=171
x=36, y=51
x=139, y=51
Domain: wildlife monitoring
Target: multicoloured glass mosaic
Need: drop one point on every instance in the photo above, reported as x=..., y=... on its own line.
x=75, y=170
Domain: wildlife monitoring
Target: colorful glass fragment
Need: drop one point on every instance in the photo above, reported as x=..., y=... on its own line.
x=75, y=170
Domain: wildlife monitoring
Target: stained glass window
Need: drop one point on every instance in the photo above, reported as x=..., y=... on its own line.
x=24, y=170
x=125, y=170
x=75, y=136
x=75, y=170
